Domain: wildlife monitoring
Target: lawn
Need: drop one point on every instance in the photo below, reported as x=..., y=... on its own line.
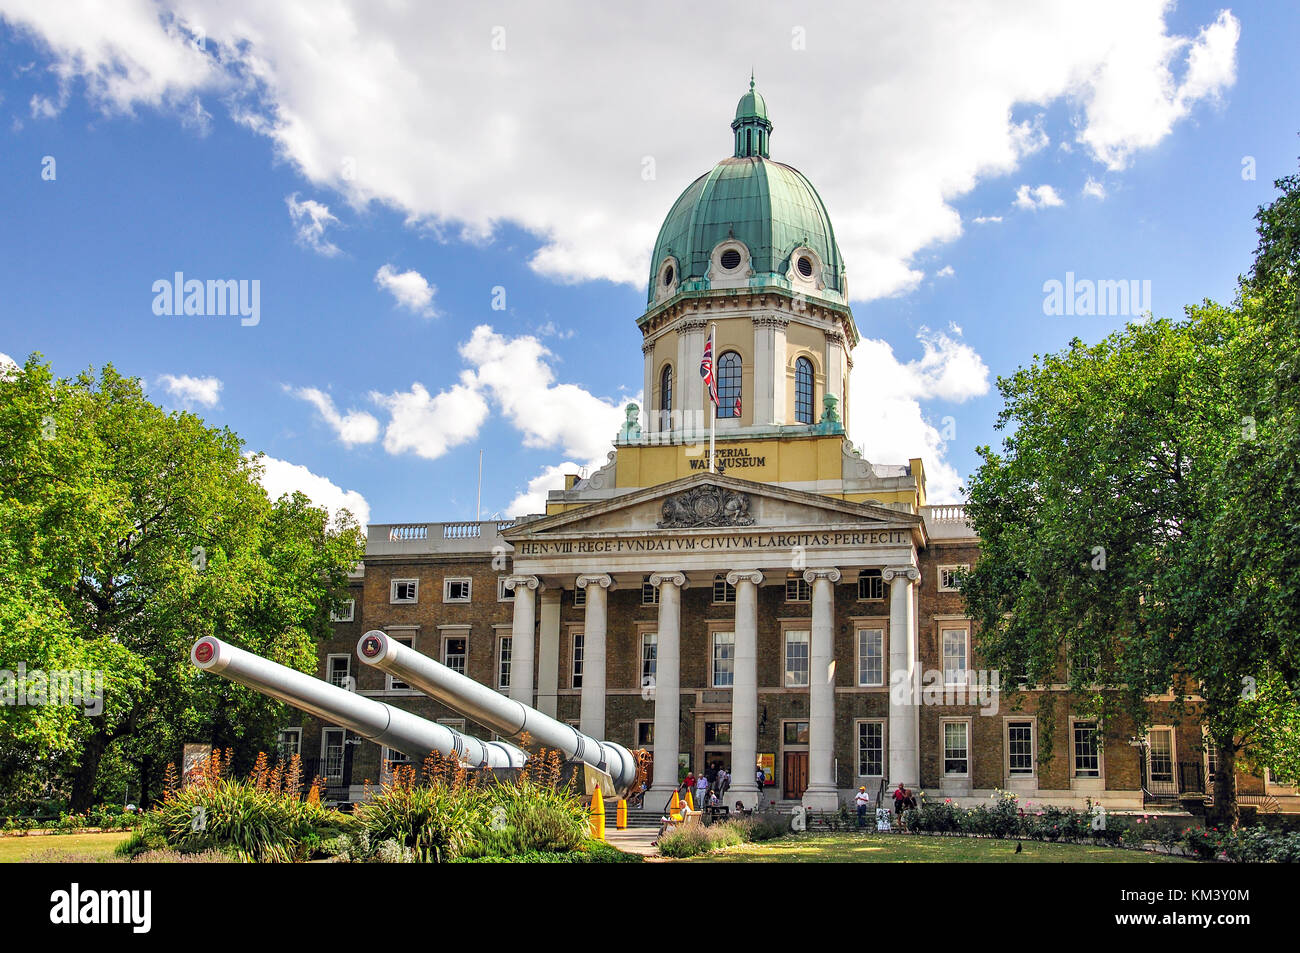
x=872, y=848
x=54, y=846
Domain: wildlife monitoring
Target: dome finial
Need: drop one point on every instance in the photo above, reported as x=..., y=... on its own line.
x=751, y=79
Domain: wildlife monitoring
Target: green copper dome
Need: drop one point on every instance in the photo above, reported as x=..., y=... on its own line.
x=769, y=208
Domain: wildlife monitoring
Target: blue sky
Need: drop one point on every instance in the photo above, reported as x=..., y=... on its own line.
x=506, y=168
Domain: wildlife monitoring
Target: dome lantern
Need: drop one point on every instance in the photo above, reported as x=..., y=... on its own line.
x=751, y=126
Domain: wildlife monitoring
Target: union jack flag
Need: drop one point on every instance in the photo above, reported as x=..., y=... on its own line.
x=706, y=371
x=737, y=414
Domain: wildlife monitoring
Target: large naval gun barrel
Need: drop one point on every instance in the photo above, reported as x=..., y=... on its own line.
x=373, y=720
x=505, y=716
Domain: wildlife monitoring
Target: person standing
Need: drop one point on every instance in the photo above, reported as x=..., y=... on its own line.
x=862, y=799
x=701, y=789
x=760, y=777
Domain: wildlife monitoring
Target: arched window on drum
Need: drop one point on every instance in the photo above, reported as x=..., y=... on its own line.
x=803, y=391
x=666, y=396
x=729, y=369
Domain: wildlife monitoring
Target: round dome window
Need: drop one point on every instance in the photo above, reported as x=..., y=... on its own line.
x=668, y=276
x=730, y=259
x=805, y=266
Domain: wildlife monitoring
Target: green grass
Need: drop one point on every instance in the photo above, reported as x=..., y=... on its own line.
x=99, y=846
x=871, y=848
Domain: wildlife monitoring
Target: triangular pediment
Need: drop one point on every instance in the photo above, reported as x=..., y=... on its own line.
x=715, y=502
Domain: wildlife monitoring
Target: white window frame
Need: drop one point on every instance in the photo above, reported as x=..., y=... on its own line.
x=877, y=575
x=943, y=748
x=297, y=744
x=636, y=733
x=801, y=586
x=577, y=658
x=649, y=592
x=347, y=684
x=964, y=677
x=714, y=642
x=883, y=724
x=392, y=592
x=448, y=582
x=505, y=657
x=324, y=748
x=1273, y=787
x=1173, y=752
x=504, y=594
x=728, y=590
x=862, y=656
x=445, y=658
x=351, y=612
x=785, y=657
x=579, y=598
x=948, y=587
x=387, y=762
x=396, y=684
x=1019, y=720
x=1074, y=748
x=648, y=639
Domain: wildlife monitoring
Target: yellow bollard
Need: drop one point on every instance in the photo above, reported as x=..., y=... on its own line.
x=597, y=815
x=675, y=808
x=620, y=815
x=690, y=801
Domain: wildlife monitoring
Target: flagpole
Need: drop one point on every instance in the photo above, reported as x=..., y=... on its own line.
x=713, y=412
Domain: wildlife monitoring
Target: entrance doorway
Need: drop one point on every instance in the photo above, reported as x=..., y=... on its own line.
x=794, y=777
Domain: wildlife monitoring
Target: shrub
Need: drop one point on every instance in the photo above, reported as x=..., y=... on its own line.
x=263, y=818
x=685, y=840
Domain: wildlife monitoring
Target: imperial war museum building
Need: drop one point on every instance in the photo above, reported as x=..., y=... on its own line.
x=795, y=609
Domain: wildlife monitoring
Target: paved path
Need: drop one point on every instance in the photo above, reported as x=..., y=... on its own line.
x=635, y=840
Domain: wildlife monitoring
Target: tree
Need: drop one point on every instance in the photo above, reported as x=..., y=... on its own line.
x=134, y=532
x=1140, y=524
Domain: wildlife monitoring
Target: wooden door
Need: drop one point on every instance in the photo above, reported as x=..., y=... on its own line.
x=794, y=779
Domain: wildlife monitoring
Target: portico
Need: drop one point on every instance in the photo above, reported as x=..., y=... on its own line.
x=734, y=547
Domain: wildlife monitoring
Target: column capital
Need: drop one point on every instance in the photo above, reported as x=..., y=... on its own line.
x=528, y=582
x=677, y=579
x=748, y=575
x=812, y=575
x=601, y=579
x=775, y=322
x=909, y=573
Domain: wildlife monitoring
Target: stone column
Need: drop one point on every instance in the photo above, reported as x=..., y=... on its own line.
x=521, y=637
x=744, y=690
x=904, y=702
x=691, y=335
x=835, y=352
x=591, y=720
x=822, y=793
x=769, y=370
x=649, y=384
x=548, y=652
x=667, y=686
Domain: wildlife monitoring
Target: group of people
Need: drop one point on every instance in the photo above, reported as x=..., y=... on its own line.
x=709, y=787
x=904, y=799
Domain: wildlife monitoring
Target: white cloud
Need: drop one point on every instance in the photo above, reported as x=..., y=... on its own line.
x=410, y=288
x=430, y=425
x=563, y=416
x=987, y=219
x=1133, y=99
x=1036, y=197
x=354, y=427
x=191, y=391
x=1094, y=189
x=7, y=365
x=886, y=393
x=311, y=218
x=533, y=499
x=404, y=105
x=945, y=272
x=280, y=476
